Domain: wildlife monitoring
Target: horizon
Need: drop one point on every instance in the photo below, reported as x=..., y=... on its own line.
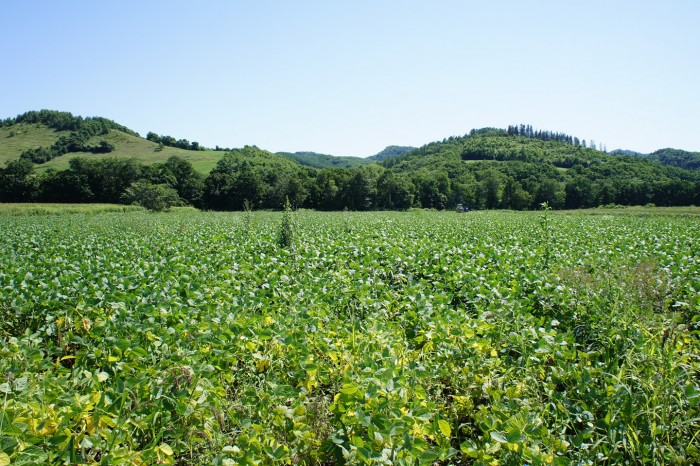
x=350, y=80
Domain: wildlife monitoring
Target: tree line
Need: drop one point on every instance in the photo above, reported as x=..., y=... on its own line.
x=251, y=176
x=64, y=121
x=170, y=141
x=527, y=131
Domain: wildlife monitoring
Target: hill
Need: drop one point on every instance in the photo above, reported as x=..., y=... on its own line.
x=627, y=152
x=51, y=138
x=673, y=157
x=391, y=151
x=316, y=160
x=677, y=158
x=491, y=168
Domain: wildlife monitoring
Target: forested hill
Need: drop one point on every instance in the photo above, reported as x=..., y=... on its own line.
x=314, y=159
x=674, y=157
x=496, y=168
x=678, y=158
x=391, y=151
x=514, y=168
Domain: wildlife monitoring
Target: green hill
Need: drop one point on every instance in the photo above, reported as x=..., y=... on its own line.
x=391, y=151
x=35, y=135
x=490, y=168
x=316, y=160
x=673, y=157
x=677, y=158
x=627, y=152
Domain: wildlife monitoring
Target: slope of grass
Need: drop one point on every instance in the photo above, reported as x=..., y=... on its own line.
x=128, y=146
x=16, y=139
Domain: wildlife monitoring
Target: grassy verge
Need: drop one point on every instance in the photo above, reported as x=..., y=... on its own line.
x=29, y=209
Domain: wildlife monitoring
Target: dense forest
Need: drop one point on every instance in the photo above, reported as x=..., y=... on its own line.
x=516, y=168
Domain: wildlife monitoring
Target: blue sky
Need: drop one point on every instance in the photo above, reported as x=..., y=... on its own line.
x=351, y=77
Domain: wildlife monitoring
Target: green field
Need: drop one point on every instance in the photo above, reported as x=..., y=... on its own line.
x=489, y=338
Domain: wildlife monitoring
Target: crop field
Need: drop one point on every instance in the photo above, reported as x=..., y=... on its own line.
x=489, y=338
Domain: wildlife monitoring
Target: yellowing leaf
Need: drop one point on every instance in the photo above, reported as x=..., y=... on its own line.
x=165, y=448
x=4, y=459
x=444, y=427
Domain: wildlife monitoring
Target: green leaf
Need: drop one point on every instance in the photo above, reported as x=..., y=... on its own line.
x=515, y=436
x=7, y=445
x=429, y=456
x=498, y=436
x=693, y=394
x=349, y=389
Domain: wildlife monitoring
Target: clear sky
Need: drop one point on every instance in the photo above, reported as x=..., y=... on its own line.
x=351, y=77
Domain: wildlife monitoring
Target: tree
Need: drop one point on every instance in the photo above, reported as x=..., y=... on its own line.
x=514, y=196
x=64, y=186
x=394, y=191
x=179, y=174
x=433, y=188
x=360, y=191
x=233, y=181
x=154, y=197
x=103, y=148
x=464, y=190
x=490, y=190
x=579, y=193
x=326, y=189
x=16, y=181
x=552, y=192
